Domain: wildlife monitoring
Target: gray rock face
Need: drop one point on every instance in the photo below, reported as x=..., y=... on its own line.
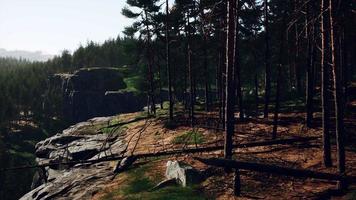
x=94, y=92
x=183, y=173
x=77, y=181
x=125, y=163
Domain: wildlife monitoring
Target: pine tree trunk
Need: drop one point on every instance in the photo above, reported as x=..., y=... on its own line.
x=222, y=72
x=150, y=71
x=310, y=66
x=256, y=94
x=190, y=72
x=297, y=66
x=230, y=86
x=267, y=63
x=290, y=68
x=159, y=83
x=279, y=76
x=325, y=96
x=337, y=91
x=186, y=74
x=206, y=81
x=219, y=83
x=168, y=64
x=205, y=57
x=237, y=70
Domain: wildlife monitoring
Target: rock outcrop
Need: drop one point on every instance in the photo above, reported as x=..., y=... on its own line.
x=95, y=92
x=183, y=173
x=77, y=143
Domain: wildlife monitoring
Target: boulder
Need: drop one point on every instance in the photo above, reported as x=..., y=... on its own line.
x=183, y=173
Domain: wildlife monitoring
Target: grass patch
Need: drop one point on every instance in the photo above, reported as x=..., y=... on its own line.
x=141, y=116
x=172, y=193
x=116, y=129
x=140, y=184
x=351, y=195
x=163, y=112
x=111, y=126
x=132, y=83
x=189, y=137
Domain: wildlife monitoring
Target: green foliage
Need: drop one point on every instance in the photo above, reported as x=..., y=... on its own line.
x=351, y=195
x=114, y=126
x=18, y=151
x=134, y=83
x=140, y=185
x=190, y=137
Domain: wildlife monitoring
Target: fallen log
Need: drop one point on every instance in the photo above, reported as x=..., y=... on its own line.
x=217, y=148
x=168, y=153
x=299, y=173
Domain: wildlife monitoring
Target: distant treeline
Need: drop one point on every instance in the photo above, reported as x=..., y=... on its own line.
x=24, y=84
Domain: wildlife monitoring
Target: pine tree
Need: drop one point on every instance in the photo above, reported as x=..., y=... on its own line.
x=169, y=73
x=230, y=86
x=148, y=8
x=267, y=61
x=325, y=72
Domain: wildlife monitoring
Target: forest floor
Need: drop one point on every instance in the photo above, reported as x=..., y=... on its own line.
x=155, y=135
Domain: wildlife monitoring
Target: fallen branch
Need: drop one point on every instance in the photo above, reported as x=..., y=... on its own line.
x=168, y=153
x=217, y=148
x=300, y=173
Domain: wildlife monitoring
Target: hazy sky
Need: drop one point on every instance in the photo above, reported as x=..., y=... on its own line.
x=53, y=25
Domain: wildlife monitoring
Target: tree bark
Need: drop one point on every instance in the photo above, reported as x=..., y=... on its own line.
x=150, y=71
x=325, y=96
x=237, y=69
x=310, y=65
x=219, y=80
x=168, y=64
x=337, y=91
x=222, y=69
x=297, y=66
x=230, y=86
x=190, y=72
x=267, y=62
x=256, y=94
x=279, y=75
x=205, y=58
x=186, y=73
x=159, y=83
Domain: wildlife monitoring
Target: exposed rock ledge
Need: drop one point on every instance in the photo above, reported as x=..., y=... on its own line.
x=79, y=142
x=94, y=92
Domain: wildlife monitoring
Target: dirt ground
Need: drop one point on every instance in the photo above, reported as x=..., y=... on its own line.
x=151, y=135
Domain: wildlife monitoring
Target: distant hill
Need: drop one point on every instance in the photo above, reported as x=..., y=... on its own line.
x=28, y=55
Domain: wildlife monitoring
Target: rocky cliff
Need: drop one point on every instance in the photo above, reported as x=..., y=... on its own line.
x=83, y=141
x=95, y=92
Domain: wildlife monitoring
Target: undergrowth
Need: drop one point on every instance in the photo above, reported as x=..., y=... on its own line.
x=139, y=186
x=189, y=137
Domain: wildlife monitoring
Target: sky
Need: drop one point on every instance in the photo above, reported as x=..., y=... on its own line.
x=50, y=26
